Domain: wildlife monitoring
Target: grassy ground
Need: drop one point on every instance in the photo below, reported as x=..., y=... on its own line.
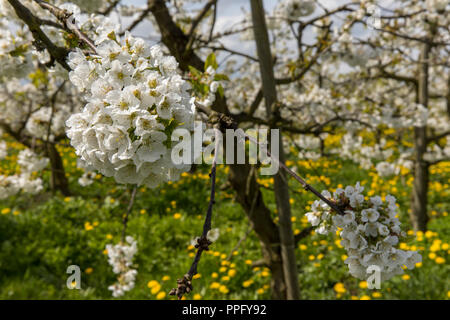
x=40, y=236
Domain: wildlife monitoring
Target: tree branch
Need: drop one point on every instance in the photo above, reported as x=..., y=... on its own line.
x=184, y=285
x=34, y=23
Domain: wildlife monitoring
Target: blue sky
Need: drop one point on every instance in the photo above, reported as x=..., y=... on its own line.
x=229, y=13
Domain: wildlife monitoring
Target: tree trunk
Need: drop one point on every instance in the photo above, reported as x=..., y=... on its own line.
x=58, y=179
x=419, y=216
x=246, y=188
x=249, y=196
x=281, y=187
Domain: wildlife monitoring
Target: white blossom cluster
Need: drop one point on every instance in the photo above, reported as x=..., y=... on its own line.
x=24, y=182
x=15, y=56
x=136, y=99
x=39, y=122
x=385, y=169
x=293, y=9
x=309, y=145
x=30, y=162
x=120, y=257
x=369, y=229
x=436, y=5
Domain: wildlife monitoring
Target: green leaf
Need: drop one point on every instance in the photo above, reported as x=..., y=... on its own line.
x=221, y=77
x=194, y=71
x=220, y=91
x=211, y=61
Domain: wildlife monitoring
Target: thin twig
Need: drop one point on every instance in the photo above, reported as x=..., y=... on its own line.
x=184, y=285
x=127, y=214
x=66, y=18
x=305, y=185
x=238, y=244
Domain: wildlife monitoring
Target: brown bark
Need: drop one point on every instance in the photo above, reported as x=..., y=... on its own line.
x=260, y=220
x=419, y=216
x=249, y=196
x=58, y=180
x=281, y=187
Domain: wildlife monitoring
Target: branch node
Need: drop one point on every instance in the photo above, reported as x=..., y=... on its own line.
x=184, y=286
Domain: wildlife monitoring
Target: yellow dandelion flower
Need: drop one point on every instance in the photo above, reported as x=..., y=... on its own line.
x=156, y=289
x=225, y=278
x=363, y=284
x=223, y=289
x=214, y=285
x=439, y=260
x=247, y=283
x=376, y=294
x=161, y=295
x=265, y=273
x=177, y=216
x=339, y=287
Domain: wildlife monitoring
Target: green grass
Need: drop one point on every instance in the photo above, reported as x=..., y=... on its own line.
x=49, y=234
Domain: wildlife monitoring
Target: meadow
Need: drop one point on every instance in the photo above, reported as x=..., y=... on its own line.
x=41, y=235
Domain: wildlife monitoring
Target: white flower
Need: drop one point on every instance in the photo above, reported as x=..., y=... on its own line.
x=313, y=218
x=376, y=201
x=356, y=199
x=214, y=86
x=86, y=179
x=383, y=229
x=213, y=234
x=349, y=191
x=349, y=217
x=412, y=258
x=371, y=215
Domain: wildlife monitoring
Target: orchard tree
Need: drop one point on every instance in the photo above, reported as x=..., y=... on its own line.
x=401, y=74
x=135, y=96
